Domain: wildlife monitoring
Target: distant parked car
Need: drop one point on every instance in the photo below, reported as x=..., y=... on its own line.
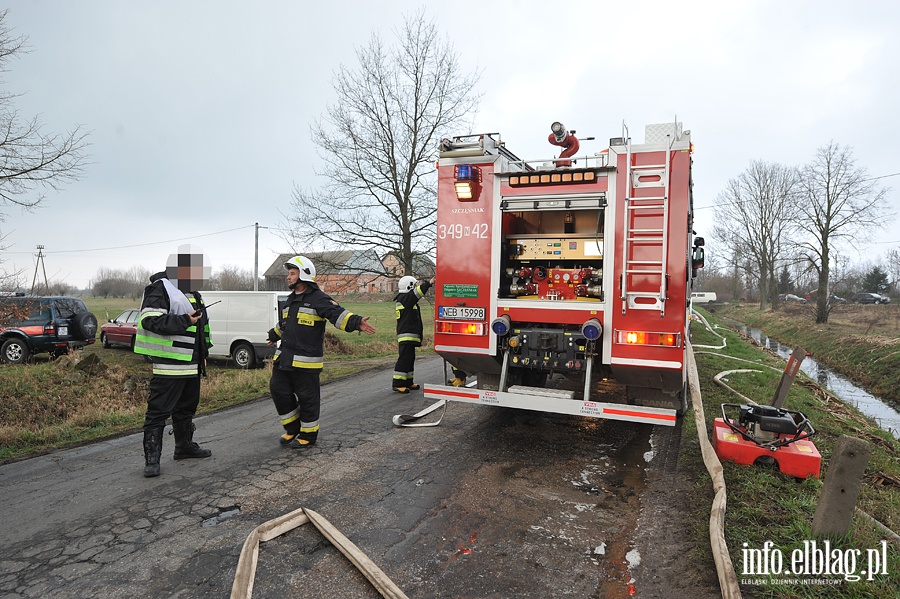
x=790, y=297
x=870, y=298
x=120, y=330
x=833, y=299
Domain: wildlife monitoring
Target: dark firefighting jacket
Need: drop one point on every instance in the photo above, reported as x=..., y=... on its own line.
x=409, y=319
x=301, y=328
x=175, y=346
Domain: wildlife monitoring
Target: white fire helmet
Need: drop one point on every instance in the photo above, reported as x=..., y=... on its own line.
x=305, y=266
x=407, y=283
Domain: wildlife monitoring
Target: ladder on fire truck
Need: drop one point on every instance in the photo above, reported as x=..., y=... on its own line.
x=650, y=244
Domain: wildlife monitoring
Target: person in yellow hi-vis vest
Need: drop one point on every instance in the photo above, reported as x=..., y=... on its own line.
x=173, y=330
x=300, y=356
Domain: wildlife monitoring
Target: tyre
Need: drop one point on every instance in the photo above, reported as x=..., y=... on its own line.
x=683, y=401
x=85, y=325
x=104, y=341
x=244, y=355
x=15, y=351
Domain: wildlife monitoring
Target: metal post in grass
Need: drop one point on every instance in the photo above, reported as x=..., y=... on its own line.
x=787, y=379
x=841, y=489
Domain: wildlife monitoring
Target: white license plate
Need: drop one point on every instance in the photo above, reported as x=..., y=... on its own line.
x=63, y=331
x=461, y=313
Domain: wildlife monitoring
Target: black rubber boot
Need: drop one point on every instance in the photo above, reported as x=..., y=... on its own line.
x=185, y=448
x=152, y=451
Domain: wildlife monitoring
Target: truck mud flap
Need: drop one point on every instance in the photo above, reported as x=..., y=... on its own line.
x=553, y=404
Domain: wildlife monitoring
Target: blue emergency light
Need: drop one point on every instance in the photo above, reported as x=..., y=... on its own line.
x=467, y=182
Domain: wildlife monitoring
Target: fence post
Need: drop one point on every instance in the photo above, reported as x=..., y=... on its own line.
x=841, y=489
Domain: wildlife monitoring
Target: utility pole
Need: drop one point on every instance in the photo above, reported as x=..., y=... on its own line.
x=256, y=229
x=256, y=257
x=40, y=260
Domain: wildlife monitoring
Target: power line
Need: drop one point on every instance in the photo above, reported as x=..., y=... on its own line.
x=882, y=177
x=121, y=247
x=869, y=179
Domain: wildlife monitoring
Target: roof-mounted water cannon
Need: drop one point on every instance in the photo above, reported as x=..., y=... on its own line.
x=560, y=136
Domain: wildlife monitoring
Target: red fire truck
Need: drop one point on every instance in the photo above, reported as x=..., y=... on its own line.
x=560, y=280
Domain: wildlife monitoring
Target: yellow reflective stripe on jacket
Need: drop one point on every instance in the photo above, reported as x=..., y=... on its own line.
x=408, y=337
x=343, y=320
x=175, y=369
x=308, y=362
x=308, y=317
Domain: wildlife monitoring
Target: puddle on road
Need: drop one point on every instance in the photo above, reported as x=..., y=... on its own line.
x=886, y=415
x=224, y=514
x=627, y=481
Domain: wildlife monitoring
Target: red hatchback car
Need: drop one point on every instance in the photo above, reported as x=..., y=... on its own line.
x=121, y=330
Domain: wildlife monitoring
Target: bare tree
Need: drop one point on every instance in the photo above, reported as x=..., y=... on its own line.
x=840, y=203
x=121, y=283
x=31, y=159
x=232, y=278
x=892, y=261
x=755, y=213
x=379, y=144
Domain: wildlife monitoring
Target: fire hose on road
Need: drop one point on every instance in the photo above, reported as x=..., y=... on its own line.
x=246, y=568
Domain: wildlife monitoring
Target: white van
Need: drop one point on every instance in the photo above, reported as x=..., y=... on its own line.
x=703, y=297
x=239, y=324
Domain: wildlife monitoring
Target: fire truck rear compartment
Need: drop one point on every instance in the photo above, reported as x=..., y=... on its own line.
x=582, y=261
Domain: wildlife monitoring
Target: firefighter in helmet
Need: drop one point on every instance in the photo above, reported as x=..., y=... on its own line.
x=173, y=331
x=409, y=330
x=300, y=357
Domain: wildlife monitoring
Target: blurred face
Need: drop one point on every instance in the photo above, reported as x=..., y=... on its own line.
x=188, y=269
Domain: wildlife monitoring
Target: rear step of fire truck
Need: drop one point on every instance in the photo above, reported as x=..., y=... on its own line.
x=559, y=401
x=651, y=243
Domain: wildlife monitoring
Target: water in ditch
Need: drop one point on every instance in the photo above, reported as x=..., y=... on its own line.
x=884, y=413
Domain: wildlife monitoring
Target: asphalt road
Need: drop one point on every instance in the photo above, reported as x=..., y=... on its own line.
x=491, y=503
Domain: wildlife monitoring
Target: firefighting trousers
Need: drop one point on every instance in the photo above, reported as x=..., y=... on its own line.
x=406, y=364
x=177, y=397
x=296, y=396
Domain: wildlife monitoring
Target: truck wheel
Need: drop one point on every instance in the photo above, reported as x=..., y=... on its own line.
x=14, y=351
x=244, y=355
x=683, y=404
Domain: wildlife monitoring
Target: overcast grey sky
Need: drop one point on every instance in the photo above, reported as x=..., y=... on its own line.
x=199, y=111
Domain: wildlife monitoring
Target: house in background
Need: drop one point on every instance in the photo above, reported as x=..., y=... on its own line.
x=423, y=267
x=348, y=271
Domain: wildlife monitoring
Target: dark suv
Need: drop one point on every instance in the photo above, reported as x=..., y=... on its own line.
x=31, y=325
x=870, y=298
